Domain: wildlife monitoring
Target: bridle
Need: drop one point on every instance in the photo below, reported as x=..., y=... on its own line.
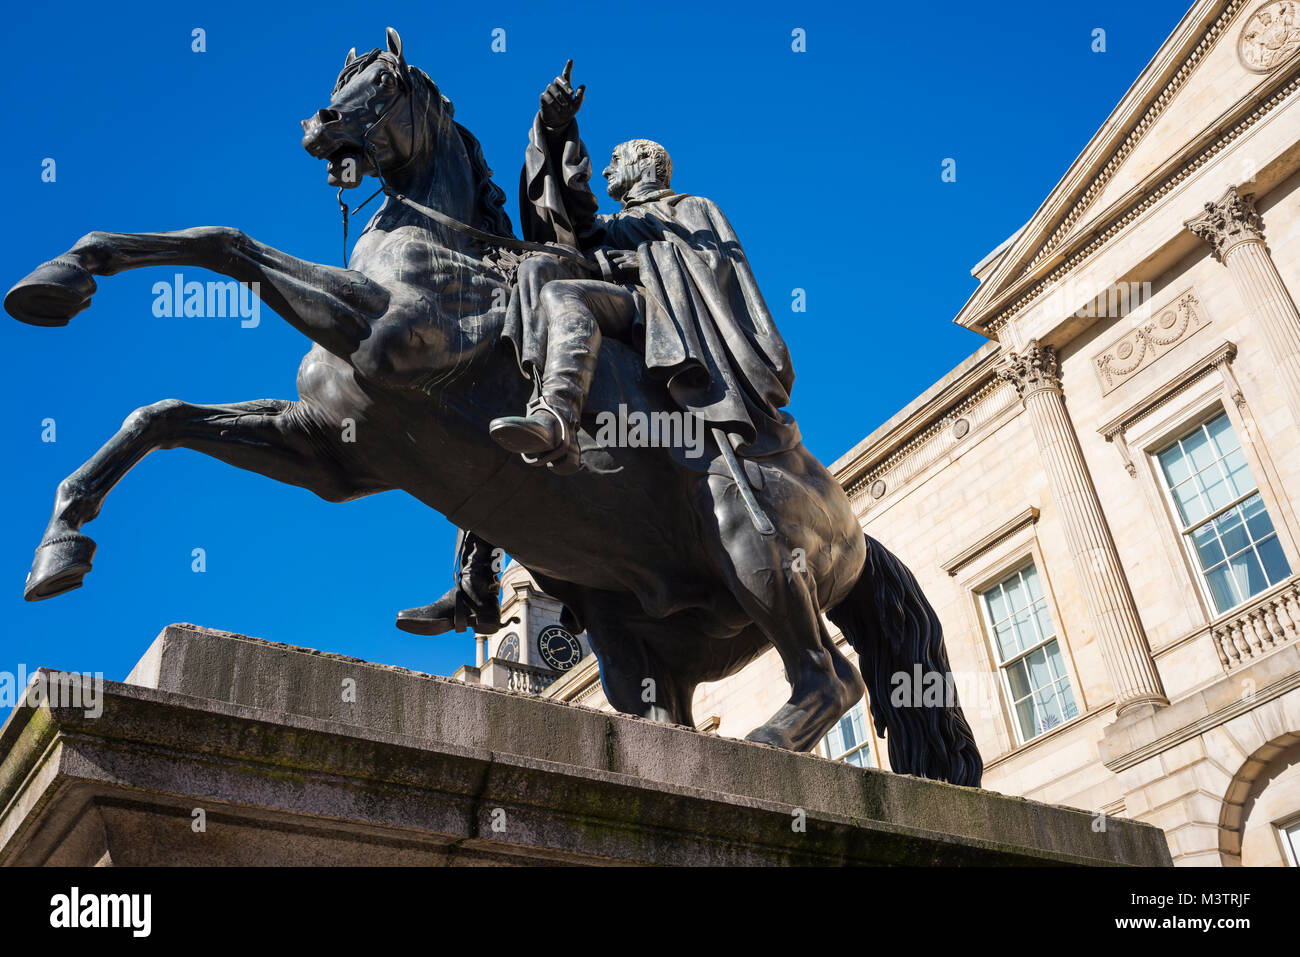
x=371, y=153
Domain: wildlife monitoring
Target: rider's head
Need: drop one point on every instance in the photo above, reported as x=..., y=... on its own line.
x=636, y=162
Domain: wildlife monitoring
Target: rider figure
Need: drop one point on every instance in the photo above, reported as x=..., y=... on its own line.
x=673, y=274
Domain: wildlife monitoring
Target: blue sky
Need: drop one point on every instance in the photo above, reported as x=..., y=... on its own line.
x=827, y=162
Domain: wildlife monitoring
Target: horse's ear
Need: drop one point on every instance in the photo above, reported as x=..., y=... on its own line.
x=395, y=48
x=352, y=55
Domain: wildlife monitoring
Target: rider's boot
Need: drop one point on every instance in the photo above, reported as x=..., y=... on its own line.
x=474, y=602
x=547, y=434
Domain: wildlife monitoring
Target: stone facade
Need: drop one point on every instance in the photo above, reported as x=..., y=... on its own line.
x=1149, y=303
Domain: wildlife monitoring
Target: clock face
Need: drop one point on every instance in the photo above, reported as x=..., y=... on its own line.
x=508, y=650
x=559, y=649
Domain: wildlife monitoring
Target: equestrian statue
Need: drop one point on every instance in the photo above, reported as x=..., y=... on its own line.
x=475, y=365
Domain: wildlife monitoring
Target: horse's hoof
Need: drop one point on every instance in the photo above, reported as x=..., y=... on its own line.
x=51, y=294
x=766, y=735
x=59, y=566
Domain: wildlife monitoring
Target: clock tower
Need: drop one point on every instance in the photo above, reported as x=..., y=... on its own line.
x=533, y=648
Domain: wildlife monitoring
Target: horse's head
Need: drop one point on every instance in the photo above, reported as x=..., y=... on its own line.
x=382, y=117
x=389, y=120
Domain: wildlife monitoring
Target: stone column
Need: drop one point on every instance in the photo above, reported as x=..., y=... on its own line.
x=480, y=650
x=1111, y=612
x=1233, y=229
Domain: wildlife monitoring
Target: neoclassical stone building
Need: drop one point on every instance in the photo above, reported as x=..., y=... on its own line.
x=1101, y=501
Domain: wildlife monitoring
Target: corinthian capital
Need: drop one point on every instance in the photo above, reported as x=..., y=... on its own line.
x=1230, y=221
x=1031, y=370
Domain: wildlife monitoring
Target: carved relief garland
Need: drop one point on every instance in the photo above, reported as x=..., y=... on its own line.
x=1140, y=347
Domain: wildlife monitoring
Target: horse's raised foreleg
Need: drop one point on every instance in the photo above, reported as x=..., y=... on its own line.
x=274, y=437
x=329, y=305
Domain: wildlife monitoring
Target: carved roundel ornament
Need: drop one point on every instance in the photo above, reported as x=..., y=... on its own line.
x=559, y=649
x=1270, y=36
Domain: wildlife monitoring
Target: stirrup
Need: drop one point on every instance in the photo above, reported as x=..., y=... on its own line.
x=565, y=458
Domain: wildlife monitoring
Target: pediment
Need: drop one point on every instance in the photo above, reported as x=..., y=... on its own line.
x=1221, y=54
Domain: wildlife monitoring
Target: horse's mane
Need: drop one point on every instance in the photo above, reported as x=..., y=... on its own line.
x=491, y=198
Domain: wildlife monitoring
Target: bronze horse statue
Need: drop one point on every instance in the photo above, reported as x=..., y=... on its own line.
x=675, y=582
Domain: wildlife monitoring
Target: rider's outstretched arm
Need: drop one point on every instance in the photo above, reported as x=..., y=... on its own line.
x=555, y=198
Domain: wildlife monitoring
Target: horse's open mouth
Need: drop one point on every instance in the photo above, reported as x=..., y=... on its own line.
x=347, y=166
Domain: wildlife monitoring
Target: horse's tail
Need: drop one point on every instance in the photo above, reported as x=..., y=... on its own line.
x=892, y=627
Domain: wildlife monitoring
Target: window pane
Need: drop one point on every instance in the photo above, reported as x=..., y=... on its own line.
x=860, y=759
x=1207, y=546
x=1189, y=503
x=1031, y=582
x=997, y=603
x=1248, y=573
x=1256, y=515
x=1221, y=433
x=1015, y=594
x=850, y=730
x=834, y=742
x=1275, y=563
x=1067, y=700
x=1198, y=450
x=1239, y=477
x=1054, y=660
x=1045, y=626
x=1026, y=635
x=1018, y=678
x=1221, y=588
x=849, y=735
x=1215, y=488
x=1174, y=465
x=1232, y=531
x=1025, y=715
x=1039, y=676
x=1006, y=641
x=1292, y=837
x=1049, y=711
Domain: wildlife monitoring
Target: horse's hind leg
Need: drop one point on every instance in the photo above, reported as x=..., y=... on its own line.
x=634, y=677
x=270, y=436
x=779, y=595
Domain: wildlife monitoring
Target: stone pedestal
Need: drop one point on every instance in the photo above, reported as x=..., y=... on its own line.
x=222, y=749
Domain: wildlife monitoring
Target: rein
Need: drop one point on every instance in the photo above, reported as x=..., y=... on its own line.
x=501, y=242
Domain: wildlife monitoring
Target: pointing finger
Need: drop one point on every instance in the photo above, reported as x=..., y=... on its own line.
x=568, y=71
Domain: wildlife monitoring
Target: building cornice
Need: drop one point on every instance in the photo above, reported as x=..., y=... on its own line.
x=923, y=412
x=927, y=437
x=973, y=551
x=1129, y=208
